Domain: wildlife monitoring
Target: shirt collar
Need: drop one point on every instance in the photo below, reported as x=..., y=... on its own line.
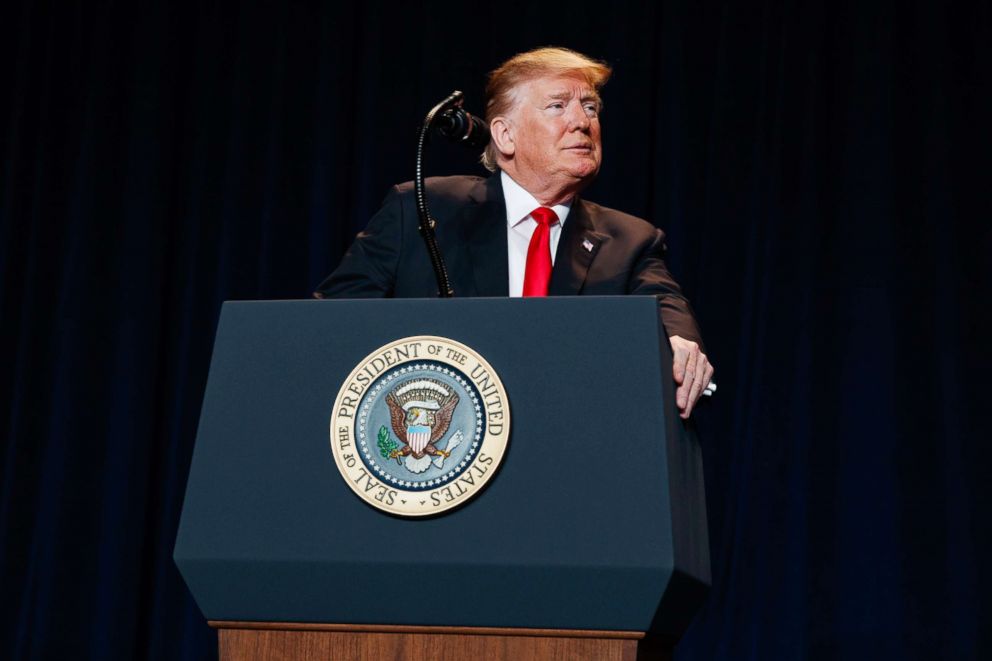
x=519, y=203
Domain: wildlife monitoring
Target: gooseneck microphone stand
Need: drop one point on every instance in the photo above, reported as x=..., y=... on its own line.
x=457, y=125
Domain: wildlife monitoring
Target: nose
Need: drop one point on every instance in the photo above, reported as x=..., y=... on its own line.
x=578, y=120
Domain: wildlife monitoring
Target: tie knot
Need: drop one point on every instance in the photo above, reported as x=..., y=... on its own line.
x=544, y=216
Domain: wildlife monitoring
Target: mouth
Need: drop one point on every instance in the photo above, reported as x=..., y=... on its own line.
x=580, y=148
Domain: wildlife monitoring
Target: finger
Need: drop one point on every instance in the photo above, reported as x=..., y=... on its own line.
x=679, y=360
x=690, y=376
x=696, y=390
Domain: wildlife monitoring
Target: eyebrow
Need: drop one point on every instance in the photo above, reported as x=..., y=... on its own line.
x=565, y=95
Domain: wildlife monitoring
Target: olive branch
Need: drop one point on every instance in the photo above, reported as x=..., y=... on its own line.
x=388, y=448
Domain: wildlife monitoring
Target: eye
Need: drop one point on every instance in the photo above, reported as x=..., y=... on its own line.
x=556, y=105
x=592, y=109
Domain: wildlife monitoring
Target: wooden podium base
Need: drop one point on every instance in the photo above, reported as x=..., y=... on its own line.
x=280, y=641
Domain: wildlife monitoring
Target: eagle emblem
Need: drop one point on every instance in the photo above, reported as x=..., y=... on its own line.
x=420, y=413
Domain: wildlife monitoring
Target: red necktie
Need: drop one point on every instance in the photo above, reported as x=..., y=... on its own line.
x=538, y=271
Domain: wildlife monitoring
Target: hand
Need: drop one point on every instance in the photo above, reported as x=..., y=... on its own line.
x=692, y=371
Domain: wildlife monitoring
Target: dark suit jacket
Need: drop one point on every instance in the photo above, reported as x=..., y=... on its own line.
x=601, y=252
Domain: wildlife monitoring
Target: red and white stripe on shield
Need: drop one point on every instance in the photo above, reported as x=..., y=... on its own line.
x=417, y=437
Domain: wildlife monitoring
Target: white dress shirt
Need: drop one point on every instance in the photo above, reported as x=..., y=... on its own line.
x=520, y=226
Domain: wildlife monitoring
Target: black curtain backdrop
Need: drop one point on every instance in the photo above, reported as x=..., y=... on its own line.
x=822, y=171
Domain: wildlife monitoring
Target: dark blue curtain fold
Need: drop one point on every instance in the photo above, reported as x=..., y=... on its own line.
x=822, y=171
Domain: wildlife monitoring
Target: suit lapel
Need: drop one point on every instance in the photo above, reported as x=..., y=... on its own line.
x=484, y=226
x=577, y=248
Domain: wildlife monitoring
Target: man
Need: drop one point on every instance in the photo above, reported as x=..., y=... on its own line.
x=524, y=231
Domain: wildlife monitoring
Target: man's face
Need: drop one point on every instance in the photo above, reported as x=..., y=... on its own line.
x=556, y=132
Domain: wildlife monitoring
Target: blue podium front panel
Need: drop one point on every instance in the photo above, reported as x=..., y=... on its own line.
x=574, y=531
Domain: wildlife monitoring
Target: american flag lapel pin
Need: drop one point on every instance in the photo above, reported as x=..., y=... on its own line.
x=587, y=244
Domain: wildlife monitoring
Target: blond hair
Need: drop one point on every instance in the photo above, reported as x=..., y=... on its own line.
x=524, y=67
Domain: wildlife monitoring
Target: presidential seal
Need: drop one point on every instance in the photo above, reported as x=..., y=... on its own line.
x=420, y=426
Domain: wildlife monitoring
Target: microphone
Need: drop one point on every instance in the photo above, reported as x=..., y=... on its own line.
x=458, y=125
x=452, y=122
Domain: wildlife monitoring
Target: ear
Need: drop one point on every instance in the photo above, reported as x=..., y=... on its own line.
x=501, y=132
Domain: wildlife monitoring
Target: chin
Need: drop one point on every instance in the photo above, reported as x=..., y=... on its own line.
x=587, y=172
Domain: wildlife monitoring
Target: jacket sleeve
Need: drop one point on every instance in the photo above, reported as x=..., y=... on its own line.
x=369, y=268
x=650, y=276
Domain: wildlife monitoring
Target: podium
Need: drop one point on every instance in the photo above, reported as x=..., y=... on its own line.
x=588, y=542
